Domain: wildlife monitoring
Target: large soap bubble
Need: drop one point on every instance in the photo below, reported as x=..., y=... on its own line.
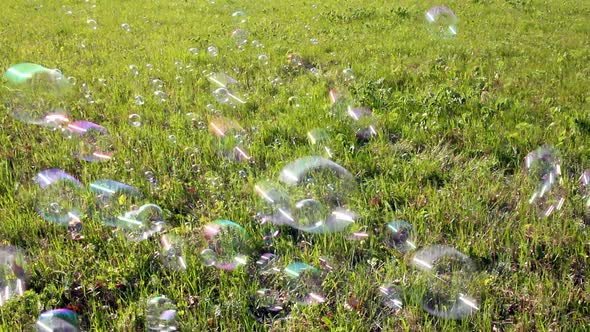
x=442, y=21
x=230, y=142
x=161, y=315
x=544, y=176
x=59, y=197
x=451, y=278
x=227, y=245
x=91, y=142
x=58, y=320
x=35, y=94
x=305, y=283
x=113, y=199
x=12, y=273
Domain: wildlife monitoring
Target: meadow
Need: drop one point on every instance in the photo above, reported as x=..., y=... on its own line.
x=454, y=117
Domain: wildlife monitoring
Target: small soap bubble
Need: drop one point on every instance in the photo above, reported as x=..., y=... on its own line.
x=544, y=176
x=58, y=197
x=239, y=17
x=12, y=273
x=172, y=139
x=139, y=100
x=126, y=27
x=390, y=297
x=257, y=44
x=156, y=84
x=161, y=315
x=160, y=96
x=172, y=252
x=221, y=95
x=314, y=41
x=399, y=235
x=194, y=51
x=212, y=51
x=149, y=66
x=348, y=74
x=263, y=59
x=92, y=24
x=133, y=70
x=240, y=37
x=135, y=120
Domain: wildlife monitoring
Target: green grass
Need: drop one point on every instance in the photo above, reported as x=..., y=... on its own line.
x=457, y=118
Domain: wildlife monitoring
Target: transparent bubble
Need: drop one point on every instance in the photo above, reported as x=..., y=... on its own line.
x=314, y=41
x=156, y=84
x=161, y=314
x=160, y=96
x=267, y=264
x=150, y=177
x=126, y=27
x=544, y=175
x=239, y=17
x=172, y=139
x=149, y=66
x=135, y=120
x=92, y=25
x=230, y=139
x=212, y=51
x=399, y=236
x=257, y=44
x=294, y=101
x=171, y=252
x=194, y=51
x=58, y=197
x=319, y=139
x=317, y=189
x=348, y=74
x=239, y=37
x=12, y=273
x=305, y=283
x=269, y=299
x=263, y=59
x=58, y=320
x=364, y=123
x=138, y=100
x=227, y=245
x=113, y=199
x=133, y=70
x=451, y=279
x=390, y=297
x=91, y=141
x=221, y=95
x=442, y=21
x=141, y=223
x=272, y=194
x=179, y=79
x=67, y=10
x=35, y=94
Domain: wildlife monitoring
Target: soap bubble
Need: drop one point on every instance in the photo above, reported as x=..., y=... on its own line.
x=141, y=223
x=221, y=80
x=35, y=94
x=58, y=197
x=320, y=141
x=135, y=120
x=399, y=235
x=318, y=189
x=230, y=139
x=212, y=51
x=585, y=187
x=160, y=96
x=451, y=278
x=348, y=74
x=221, y=95
x=139, y=100
x=544, y=174
x=92, y=25
x=113, y=199
x=126, y=27
x=363, y=122
x=442, y=21
x=390, y=297
x=305, y=283
x=58, y=320
x=92, y=142
x=133, y=70
x=161, y=315
x=227, y=245
x=194, y=51
x=263, y=59
x=314, y=41
x=239, y=37
x=156, y=84
x=172, y=252
x=239, y=17
x=12, y=273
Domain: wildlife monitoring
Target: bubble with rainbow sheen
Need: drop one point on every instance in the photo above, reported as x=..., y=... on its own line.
x=12, y=273
x=90, y=141
x=161, y=314
x=58, y=197
x=113, y=199
x=230, y=139
x=58, y=320
x=304, y=283
x=227, y=245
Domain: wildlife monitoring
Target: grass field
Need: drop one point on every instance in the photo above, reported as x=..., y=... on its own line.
x=456, y=118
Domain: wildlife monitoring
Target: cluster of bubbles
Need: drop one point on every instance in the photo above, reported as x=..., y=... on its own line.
x=312, y=194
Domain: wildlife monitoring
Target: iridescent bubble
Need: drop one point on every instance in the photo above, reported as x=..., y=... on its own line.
x=138, y=100
x=227, y=245
x=544, y=174
x=58, y=197
x=318, y=189
x=113, y=199
x=161, y=314
x=141, y=223
x=194, y=51
x=92, y=142
x=35, y=94
x=212, y=51
x=135, y=120
x=221, y=95
x=319, y=139
x=451, y=279
x=390, y=297
x=126, y=27
x=399, y=235
x=263, y=59
x=12, y=273
x=442, y=21
x=171, y=252
x=348, y=74
x=363, y=122
x=272, y=194
x=160, y=96
x=230, y=142
x=239, y=37
x=305, y=283
x=58, y=320
x=239, y=17
x=92, y=24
